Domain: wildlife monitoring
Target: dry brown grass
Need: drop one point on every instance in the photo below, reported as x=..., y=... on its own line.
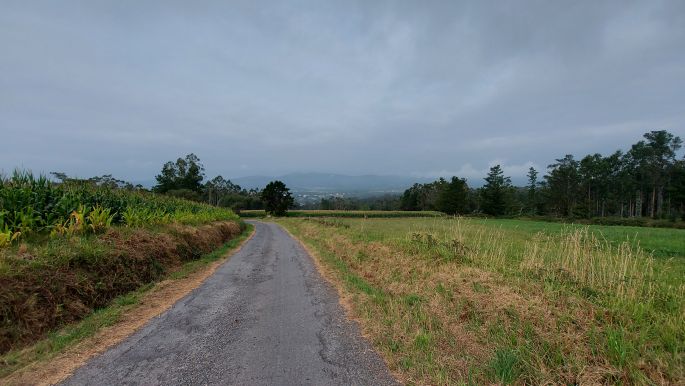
x=439, y=321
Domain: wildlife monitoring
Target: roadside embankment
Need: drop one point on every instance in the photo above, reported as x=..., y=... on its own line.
x=47, y=285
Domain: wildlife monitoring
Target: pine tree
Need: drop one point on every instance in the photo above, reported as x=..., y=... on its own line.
x=497, y=192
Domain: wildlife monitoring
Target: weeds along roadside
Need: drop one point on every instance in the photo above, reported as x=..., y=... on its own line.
x=450, y=301
x=68, y=249
x=14, y=365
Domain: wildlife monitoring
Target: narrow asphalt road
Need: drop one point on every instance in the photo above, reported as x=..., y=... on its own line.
x=266, y=317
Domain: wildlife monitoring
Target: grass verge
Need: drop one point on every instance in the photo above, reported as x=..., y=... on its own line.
x=454, y=301
x=16, y=365
x=46, y=285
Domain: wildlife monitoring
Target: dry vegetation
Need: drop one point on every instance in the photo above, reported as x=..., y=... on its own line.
x=47, y=285
x=451, y=301
x=53, y=359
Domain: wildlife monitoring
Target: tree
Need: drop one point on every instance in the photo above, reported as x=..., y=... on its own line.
x=591, y=172
x=562, y=186
x=453, y=197
x=193, y=173
x=410, y=198
x=186, y=174
x=532, y=190
x=676, y=189
x=218, y=188
x=277, y=198
x=496, y=194
x=652, y=162
x=422, y=196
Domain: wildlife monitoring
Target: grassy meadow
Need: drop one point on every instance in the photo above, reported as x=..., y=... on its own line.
x=476, y=301
x=347, y=213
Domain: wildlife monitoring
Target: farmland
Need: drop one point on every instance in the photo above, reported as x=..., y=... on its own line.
x=453, y=300
x=346, y=213
x=71, y=248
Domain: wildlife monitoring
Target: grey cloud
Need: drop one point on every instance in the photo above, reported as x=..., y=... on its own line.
x=396, y=87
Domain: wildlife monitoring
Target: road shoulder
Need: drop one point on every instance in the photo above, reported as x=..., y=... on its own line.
x=329, y=274
x=151, y=303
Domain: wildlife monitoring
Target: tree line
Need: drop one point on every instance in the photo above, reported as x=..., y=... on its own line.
x=183, y=178
x=647, y=180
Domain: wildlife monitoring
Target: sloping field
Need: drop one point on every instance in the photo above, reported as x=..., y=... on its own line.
x=69, y=249
x=452, y=301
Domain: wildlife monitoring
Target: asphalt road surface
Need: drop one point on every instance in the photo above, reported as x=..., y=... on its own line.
x=266, y=317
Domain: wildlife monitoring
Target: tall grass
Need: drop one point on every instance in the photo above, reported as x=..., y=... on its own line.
x=563, y=304
x=646, y=303
x=587, y=260
x=30, y=204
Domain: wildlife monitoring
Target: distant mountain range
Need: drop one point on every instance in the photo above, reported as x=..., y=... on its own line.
x=334, y=183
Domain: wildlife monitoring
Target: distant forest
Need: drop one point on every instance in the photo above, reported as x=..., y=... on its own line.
x=645, y=182
x=648, y=180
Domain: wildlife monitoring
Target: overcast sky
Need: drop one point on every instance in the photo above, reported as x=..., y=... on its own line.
x=370, y=87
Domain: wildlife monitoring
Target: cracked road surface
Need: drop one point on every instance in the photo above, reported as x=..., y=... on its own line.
x=266, y=317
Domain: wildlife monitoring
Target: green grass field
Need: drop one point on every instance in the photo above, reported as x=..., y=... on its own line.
x=662, y=242
x=454, y=301
x=347, y=213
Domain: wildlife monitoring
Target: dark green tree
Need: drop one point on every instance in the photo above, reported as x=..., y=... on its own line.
x=563, y=189
x=217, y=188
x=591, y=171
x=277, y=198
x=186, y=174
x=652, y=160
x=532, y=190
x=453, y=197
x=193, y=173
x=676, y=190
x=496, y=193
x=422, y=196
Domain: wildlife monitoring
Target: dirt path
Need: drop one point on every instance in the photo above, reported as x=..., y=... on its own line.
x=266, y=317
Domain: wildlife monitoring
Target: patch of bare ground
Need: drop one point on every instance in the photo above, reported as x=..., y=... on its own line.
x=153, y=302
x=443, y=323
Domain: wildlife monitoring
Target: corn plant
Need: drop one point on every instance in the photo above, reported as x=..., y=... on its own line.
x=33, y=204
x=7, y=237
x=133, y=217
x=75, y=225
x=99, y=219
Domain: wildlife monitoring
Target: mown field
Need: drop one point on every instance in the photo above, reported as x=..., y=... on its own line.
x=67, y=250
x=347, y=213
x=478, y=301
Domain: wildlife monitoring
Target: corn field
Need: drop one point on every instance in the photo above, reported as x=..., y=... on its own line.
x=32, y=205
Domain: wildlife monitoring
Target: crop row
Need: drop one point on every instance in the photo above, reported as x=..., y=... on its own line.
x=30, y=204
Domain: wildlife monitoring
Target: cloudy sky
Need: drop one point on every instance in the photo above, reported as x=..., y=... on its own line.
x=399, y=87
